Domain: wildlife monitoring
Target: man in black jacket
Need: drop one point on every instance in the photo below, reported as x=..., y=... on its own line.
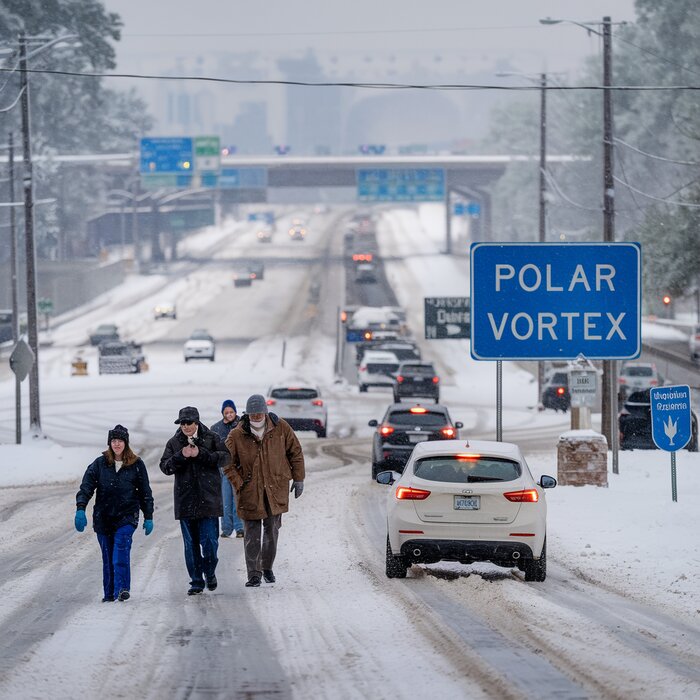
x=192, y=455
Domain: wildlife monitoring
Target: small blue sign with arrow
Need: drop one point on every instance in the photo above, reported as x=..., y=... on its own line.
x=670, y=417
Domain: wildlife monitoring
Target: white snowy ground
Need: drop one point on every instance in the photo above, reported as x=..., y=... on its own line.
x=630, y=537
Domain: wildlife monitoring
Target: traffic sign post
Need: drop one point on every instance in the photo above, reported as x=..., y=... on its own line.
x=671, y=423
x=545, y=301
x=446, y=317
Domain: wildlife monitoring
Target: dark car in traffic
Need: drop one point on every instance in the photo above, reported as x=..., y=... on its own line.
x=417, y=380
x=634, y=421
x=404, y=426
x=105, y=332
x=556, y=392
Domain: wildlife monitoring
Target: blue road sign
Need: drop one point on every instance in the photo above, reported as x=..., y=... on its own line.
x=670, y=417
x=400, y=185
x=167, y=155
x=552, y=301
x=243, y=178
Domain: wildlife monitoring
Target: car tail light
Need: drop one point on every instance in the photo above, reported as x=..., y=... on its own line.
x=399, y=378
x=560, y=391
x=270, y=402
x=436, y=380
x=524, y=496
x=317, y=402
x=407, y=493
x=253, y=275
x=385, y=430
x=368, y=335
x=653, y=382
x=522, y=534
x=448, y=432
x=363, y=368
x=621, y=380
x=418, y=409
x=467, y=457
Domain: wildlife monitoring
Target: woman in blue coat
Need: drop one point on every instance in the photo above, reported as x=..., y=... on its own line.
x=121, y=481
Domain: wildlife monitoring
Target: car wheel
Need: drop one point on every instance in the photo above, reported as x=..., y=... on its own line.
x=187, y=359
x=396, y=566
x=376, y=468
x=363, y=388
x=397, y=399
x=437, y=399
x=211, y=359
x=536, y=569
x=321, y=432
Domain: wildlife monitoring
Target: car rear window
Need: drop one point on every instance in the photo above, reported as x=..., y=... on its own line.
x=638, y=371
x=560, y=378
x=422, y=370
x=291, y=393
x=379, y=367
x=429, y=419
x=467, y=469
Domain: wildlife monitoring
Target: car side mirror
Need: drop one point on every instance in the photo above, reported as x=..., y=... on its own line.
x=387, y=478
x=373, y=423
x=459, y=424
x=547, y=482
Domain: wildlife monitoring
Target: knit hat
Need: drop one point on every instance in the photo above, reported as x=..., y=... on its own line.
x=256, y=404
x=118, y=432
x=188, y=414
x=228, y=404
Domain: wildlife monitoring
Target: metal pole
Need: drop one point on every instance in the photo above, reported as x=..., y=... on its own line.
x=32, y=329
x=674, y=491
x=13, y=277
x=543, y=199
x=135, y=235
x=448, y=222
x=499, y=400
x=609, y=407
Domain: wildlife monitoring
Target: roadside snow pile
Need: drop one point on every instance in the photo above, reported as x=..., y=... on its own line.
x=42, y=462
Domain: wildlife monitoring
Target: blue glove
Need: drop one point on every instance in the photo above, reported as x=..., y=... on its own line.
x=80, y=520
x=298, y=488
x=148, y=527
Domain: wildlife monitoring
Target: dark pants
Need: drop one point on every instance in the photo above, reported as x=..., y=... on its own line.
x=201, y=539
x=260, y=555
x=230, y=521
x=116, y=560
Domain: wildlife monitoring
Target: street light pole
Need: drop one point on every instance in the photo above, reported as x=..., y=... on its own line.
x=543, y=199
x=32, y=328
x=13, y=278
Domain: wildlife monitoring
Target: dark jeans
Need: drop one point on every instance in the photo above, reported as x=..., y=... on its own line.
x=260, y=556
x=230, y=521
x=201, y=539
x=116, y=560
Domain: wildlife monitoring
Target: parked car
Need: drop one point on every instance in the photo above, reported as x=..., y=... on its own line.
x=467, y=502
x=301, y=405
x=103, y=333
x=636, y=376
x=634, y=421
x=116, y=357
x=402, y=427
x=165, y=309
x=556, y=392
x=694, y=344
x=377, y=369
x=200, y=345
x=416, y=379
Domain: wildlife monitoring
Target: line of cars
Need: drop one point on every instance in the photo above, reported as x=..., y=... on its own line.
x=116, y=356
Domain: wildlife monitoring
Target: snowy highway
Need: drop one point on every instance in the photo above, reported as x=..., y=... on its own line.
x=617, y=617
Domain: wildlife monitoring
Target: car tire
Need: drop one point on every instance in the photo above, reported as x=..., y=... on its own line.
x=321, y=432
x=211, y=359
x=536, y=569
x=187, y=359
x=397, y=399
x=376, y=468
x=396, y=566
x=363, y=388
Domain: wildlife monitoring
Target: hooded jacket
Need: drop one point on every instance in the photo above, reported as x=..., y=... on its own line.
x=260, y=470
x=222, y=430
x=120, y=494
x=197, y=488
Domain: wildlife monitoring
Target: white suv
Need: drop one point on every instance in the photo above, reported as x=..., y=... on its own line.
x=301, y=405
x=377, y=369
x=466, y=501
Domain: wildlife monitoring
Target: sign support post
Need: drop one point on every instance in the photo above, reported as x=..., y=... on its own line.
x=674, y=490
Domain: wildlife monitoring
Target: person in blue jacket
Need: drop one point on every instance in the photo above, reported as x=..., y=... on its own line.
x=121, y=481
x=230, y=521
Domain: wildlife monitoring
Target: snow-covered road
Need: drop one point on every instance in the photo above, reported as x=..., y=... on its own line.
x=617, y=616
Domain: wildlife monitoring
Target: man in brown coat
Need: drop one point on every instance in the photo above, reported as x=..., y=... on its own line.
x=265, y=456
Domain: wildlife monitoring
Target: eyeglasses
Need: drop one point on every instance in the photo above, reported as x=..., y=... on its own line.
x=187, y=422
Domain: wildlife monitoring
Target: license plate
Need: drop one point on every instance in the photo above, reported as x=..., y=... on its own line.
x=467, y=502
x=417, y=438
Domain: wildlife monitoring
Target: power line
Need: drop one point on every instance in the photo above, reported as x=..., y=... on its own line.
x=557, y=189
x=651, y=155
x=658, y=56
x=366, y=85
x=7, y=109
x=674, y=202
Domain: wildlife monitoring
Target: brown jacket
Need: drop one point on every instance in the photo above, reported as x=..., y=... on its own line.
x=260, y=468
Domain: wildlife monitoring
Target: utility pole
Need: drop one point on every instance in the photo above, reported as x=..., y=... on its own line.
x=13, y=278
x=609, y=398
x=543, y=199
x=32, y=328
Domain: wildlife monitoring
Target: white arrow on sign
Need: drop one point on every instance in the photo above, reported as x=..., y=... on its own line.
x=453, y=329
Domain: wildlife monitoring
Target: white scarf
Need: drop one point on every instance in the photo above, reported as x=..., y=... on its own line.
x=118, y=464
x=258, y=430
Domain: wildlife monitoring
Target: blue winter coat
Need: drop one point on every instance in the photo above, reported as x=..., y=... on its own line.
x=120, y=494
x=222, y=430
